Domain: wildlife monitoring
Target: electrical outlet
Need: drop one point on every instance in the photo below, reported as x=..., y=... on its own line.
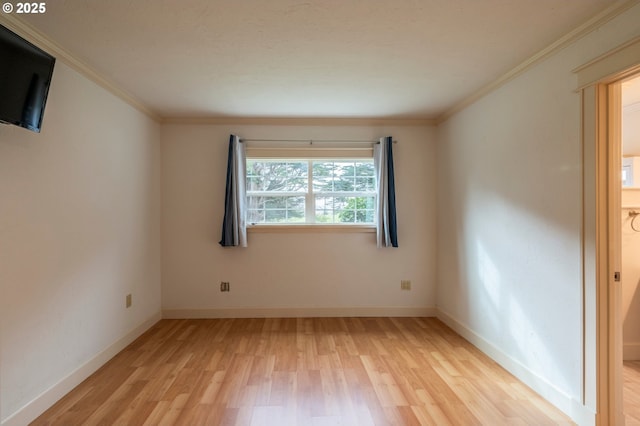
x=224, y=286
x=405, y=285
x=128, y=301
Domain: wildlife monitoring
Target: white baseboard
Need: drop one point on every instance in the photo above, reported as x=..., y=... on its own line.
x=49, y=397
x=298, y=312
x=631, y=351
x=579, y=413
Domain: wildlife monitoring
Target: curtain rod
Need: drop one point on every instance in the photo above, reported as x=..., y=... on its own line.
x=312, y=141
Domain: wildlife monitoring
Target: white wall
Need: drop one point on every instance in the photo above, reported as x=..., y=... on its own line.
x=291, y=273
x=630, y=280
x=631, y=129
x=509, y=219
x=79, y=229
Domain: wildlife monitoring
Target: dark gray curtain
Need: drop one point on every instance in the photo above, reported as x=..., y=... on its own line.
x=234, y=228
x=387, y=229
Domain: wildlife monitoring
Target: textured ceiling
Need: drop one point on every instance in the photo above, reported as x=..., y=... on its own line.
x=314, y=58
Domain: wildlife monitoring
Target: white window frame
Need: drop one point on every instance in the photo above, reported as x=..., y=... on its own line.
x=310, y=155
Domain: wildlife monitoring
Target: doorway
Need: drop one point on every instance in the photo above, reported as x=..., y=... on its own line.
x=630, y=247
x=599, y=81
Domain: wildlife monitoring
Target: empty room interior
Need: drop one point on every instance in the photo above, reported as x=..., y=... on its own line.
x=324, y=212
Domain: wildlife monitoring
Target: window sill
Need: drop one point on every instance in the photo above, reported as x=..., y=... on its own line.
x=307, y=228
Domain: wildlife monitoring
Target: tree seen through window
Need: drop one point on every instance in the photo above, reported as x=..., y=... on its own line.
x=310, y=191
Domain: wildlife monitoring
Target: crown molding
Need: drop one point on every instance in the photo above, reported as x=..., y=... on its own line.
x=569, y=38
x=302, y=121
x=616, y=64
x=42, y=41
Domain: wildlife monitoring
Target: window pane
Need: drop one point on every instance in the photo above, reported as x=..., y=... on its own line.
x=345, y=209
x=345, y=169
x=295, y=203
x=323, y=176
x=343, y=176
x=255, y=216
x=339, y=203
x=342, y=190
x=365, y=184
x=275, y=209
x=295, y=216
x=277, y=176
x=369, y=202
x=343, y=184
x=275, y=202
x=254, y=183
x=368, y=216
x=364, y=169
x=296, y=185
x=295, y=209
x=255, y=203
x=275, y=216
x=255, y=209
x=324, y=209
x=252, y=168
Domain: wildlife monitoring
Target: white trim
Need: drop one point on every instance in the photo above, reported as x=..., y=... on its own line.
x=310, y=228
x=588, y=257
x=631, y=351
x=310, y=196
x=304, y=121
x=46, y=399
x=392, y=311
x=307, y=151
x=616, y=64
x=546, y=389
x=569, y=38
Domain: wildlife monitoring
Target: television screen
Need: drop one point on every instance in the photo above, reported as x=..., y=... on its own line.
x=25, y=76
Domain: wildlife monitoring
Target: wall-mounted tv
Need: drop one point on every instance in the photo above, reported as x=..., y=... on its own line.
x=25, y=77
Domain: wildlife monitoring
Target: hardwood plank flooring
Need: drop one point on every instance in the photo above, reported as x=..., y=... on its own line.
x=631, y=392
x=301, y=371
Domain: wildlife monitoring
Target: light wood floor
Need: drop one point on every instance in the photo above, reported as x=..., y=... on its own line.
x=310, y=371
x=631, y=392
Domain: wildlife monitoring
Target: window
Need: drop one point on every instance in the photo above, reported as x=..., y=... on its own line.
x=310, y=191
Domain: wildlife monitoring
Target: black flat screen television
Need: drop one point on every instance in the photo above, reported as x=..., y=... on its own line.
x=25, y=77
